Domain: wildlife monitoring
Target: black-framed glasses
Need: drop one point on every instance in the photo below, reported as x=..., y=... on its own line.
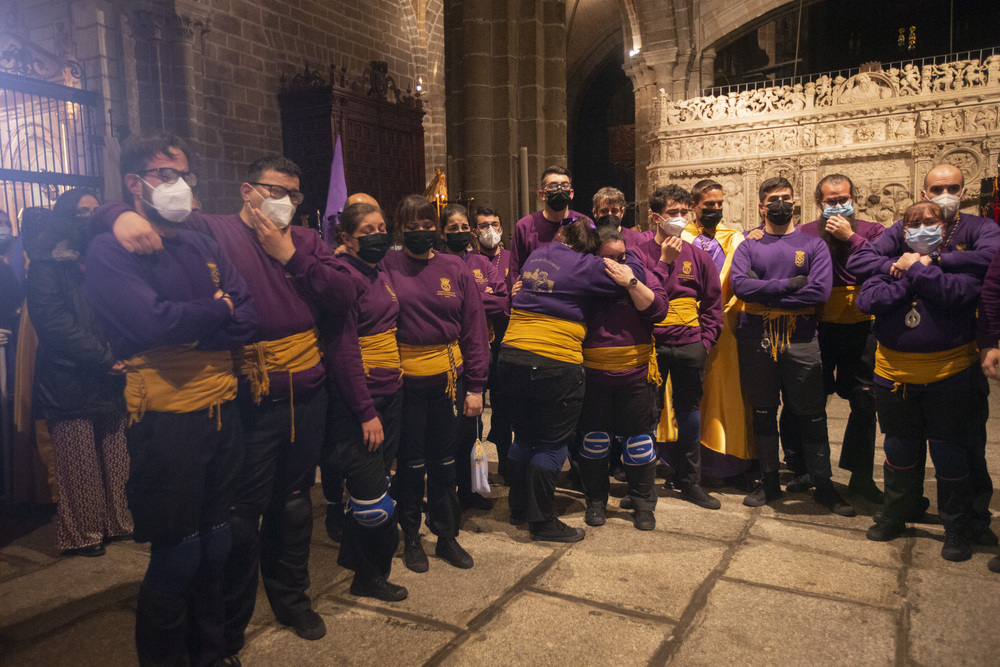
x=84, y=212
x=277, y=192
x=556, y=187
x=836, y=201
x=168, y=175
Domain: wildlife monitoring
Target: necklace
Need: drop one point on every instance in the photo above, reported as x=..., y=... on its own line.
x=912, y=319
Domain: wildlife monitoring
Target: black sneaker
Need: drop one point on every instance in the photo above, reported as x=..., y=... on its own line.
x=644, y=520
x=450, y=550
x=595, y=513
x=956, y=548
x=885, y=530
x=994, y=564
x=475, y=501
x=695, y=494
x=414, y=557
x=377, y=587
x=800, y=483
x=555, y=531
x=307, y=624
x=760, y=495
x=830, y=499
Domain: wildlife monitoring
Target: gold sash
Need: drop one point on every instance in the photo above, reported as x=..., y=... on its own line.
x=840, y=308
x=548, y=336
x=180, y=379
x=683, y=312
x=779, y=323
x=292, y=354
x=427, y=360
x=903, y=368
x=380, y=351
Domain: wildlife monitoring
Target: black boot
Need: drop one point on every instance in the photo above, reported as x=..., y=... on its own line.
x=541, y=494
x=828, y=497
x=955, y=510
x=414, y=557
x=766, y=490
x=641, y=492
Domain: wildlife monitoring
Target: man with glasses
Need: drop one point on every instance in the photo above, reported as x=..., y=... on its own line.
x=282, y=396
x=539, y=228
x=684, y=338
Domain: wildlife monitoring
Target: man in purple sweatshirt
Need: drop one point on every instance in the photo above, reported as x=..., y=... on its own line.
x=782, y=278
x=282, y=395
x=175, y=317
x=611, y=201
x=539, y=228
x=846, y=344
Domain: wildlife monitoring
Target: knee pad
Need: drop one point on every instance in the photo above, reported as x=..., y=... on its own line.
x=173, y=566
x=519, y=451
x=765, y=421
x=638, y=450
x=813, y=428
x=415, y=466
x=372, y=513
x=596, y=445
x=862, y=399
x=298, y=510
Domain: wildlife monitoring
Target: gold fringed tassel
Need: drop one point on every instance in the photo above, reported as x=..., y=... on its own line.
x=653, y=374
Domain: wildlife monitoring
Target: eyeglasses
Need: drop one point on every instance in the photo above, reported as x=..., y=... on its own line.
x=836, y=201
x=483, y=226
x=168, y=175
x=558, y=187
x=84, y=212
x=277, y=192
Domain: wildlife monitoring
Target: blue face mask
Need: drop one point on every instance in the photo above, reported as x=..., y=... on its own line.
x=924, y=240
x=844, y=210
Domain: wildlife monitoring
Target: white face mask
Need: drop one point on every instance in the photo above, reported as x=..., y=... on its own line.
x=279, y=211
x=673, y=226
x=489, y=238
x=949, y=204
x=173, y=201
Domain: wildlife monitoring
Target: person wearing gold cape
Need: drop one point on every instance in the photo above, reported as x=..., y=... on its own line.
x=726, y=440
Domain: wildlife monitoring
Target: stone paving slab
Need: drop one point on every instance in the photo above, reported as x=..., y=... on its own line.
x=356, y=637
x=852, y=544
x=104, y=638
x=678, y=516
x=748, y=625
x=953, y=616
x=538, y=630
x=783, y=566
x=927, y=541
x=656, y=573
x=449, y=595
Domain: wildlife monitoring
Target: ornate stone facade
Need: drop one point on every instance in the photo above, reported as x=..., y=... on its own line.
x=884, y=129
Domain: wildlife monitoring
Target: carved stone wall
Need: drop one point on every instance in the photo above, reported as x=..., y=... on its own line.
x=884, y=129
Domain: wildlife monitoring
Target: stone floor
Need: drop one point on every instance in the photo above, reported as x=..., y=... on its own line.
x=782, y=585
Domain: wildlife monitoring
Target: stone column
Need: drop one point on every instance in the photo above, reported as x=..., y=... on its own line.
x=505, y=88
x=751, y=182
x=809, y=165
x=923, y=162
x=194, y=23
x=707, y=68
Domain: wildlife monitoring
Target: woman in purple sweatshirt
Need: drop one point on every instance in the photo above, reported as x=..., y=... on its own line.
x=363, y=421
x=925, y=380
x=445, y=354
x=541, y=365
x=456, y=235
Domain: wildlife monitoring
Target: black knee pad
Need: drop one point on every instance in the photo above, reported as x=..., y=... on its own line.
x=862, y=400
x=298, y=510
x=765, y=421
x=812, y=428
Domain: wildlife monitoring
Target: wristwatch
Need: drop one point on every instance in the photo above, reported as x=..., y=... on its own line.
x=632, y=283
x=935, y=258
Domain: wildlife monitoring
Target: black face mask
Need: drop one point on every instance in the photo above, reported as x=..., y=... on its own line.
x=420, y=241
x=458, y=241
x=780, y=212
x=711, y=217
x=372, y=248
x=558, y=200
x=609, y=221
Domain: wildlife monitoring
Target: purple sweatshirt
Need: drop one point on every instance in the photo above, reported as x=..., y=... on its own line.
x=438, y=303
x=374, y=313
x=989, y=307
x=530, y=233
x=500, y=261
x=775, y=260
x=692, y=275
x=841, y=251
x=970, y=248
x=946, y=303
x=486, y=275
x=281, y=293
x=617, y=323
x=632, y=238
x=149, y=301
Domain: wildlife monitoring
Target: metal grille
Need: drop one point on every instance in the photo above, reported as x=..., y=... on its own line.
x=46, y=144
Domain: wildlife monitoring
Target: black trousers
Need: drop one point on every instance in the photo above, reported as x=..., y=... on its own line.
x=685, y=364
x=272, y=512
x=367, y=551
x=427, y=451
x=500, y=420
x=795, y=381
